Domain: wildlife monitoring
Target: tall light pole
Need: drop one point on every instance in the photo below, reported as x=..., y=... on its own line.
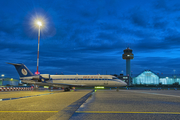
x=39, y=24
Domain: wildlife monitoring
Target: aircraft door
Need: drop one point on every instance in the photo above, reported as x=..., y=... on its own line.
x=76, y=79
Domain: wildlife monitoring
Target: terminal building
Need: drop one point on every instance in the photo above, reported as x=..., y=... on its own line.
x=150, y=78
x=146, y=77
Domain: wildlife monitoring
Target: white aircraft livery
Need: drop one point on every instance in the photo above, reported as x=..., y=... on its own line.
x=67, y=81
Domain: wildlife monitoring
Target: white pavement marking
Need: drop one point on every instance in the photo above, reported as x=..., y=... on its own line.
x=153, y=93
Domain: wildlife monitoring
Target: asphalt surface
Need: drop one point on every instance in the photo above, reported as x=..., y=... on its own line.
x=130, y=105
x=15, y=94
x=88, y=105
x=39, y=107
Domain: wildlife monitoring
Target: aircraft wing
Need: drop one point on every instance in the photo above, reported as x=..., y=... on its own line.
x=51, y=84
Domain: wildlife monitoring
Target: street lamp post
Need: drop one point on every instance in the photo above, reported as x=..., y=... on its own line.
x=2, y=78
x=39, y=24
x=11, y=82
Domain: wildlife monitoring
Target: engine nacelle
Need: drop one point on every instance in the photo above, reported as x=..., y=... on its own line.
x=45, y=76
x=37, y=77
x=41, y=77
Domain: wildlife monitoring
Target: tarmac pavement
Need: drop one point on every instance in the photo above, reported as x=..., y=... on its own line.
x=88, y=105
x=130, y=105
x=37, y=107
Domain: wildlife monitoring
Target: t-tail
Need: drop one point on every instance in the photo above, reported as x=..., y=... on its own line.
x=22, y=70
x=25, y=74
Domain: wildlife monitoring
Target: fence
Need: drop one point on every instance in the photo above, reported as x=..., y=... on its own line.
x=4, y=89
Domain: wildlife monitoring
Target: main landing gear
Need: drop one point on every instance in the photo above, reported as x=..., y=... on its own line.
x=67, y=89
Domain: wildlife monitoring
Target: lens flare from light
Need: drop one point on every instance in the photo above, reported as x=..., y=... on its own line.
x=39, y=23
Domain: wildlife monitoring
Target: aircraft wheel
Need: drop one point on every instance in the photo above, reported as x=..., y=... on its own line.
x=66, y=89
x=117, y=89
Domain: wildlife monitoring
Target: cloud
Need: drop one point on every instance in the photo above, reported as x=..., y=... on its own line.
x=161, y=4
x=163, y=65
x=167, y=6
x=160, y=23
x=139, y=17
x=88, y=37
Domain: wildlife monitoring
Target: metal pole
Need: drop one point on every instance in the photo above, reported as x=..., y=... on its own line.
x=2, y=78
x=38, y=50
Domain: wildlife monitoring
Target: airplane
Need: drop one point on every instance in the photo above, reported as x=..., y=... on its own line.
x=67, y=81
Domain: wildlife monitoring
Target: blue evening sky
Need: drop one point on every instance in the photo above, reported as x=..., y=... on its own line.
x=89, y=36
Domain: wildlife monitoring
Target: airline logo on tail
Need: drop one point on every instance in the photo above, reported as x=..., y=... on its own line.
x=23, y=71
x=43, y=80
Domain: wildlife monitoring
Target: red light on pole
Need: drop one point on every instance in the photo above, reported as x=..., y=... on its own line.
x=37, y=73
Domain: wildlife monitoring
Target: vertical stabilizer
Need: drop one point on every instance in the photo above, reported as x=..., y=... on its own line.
x=22, y=70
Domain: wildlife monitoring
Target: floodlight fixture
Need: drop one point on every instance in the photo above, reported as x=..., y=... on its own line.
x=39, y=23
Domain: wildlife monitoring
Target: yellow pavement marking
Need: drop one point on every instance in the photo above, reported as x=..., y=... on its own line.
x=28, y=111
x=127, y=112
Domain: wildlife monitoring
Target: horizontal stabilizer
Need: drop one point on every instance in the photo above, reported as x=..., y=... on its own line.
x=14, y=63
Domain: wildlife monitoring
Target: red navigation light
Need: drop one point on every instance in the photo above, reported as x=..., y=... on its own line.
x=37, y=73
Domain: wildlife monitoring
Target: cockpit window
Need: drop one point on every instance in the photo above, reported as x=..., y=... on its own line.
x=114, y=78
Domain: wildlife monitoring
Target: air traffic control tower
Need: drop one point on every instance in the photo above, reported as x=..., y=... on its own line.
x=128, y=56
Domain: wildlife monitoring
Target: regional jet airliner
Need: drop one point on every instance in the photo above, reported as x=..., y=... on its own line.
x=67, y=81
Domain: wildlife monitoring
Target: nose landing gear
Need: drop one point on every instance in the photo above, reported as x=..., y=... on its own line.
x=117, y=89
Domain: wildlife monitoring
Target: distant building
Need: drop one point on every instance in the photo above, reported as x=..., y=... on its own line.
x=124, y=78
x=150, y=78
x=170, y=80
x=146, y=77
x=8, y=81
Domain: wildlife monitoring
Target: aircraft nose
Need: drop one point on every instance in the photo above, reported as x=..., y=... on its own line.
x=123, y=83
